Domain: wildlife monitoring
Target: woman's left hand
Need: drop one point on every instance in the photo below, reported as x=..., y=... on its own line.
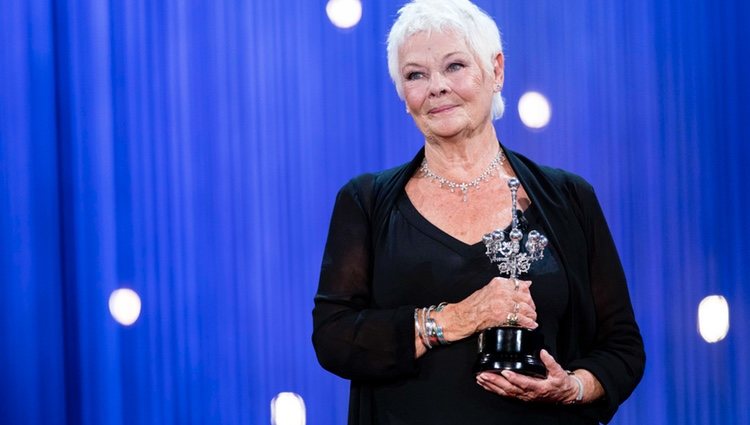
x=558, y=387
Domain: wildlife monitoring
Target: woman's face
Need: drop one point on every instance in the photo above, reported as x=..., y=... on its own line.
x=446, y=91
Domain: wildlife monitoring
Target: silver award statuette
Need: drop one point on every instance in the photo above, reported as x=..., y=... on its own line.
x=511, y=347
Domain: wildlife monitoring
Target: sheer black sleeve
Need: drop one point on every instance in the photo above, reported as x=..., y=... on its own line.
x=351, y=338
x=617, y=357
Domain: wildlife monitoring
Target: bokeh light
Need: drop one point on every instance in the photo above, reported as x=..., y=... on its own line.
x=534, y=110
x=713, y=318
x=125, y=306
x=344, y=13
x=288, y=409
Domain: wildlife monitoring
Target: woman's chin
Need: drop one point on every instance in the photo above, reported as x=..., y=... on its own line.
x=448, y=131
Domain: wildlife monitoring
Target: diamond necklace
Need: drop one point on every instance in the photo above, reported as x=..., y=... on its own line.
x=464, y=186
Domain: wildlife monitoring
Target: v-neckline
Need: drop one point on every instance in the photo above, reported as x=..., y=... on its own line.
x=415, y=218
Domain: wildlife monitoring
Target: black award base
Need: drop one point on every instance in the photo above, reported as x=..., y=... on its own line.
x=511, y=348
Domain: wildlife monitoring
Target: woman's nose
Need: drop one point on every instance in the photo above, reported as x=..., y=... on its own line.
x=438, y=85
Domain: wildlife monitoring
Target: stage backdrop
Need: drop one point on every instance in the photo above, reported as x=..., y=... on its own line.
x=191, y=151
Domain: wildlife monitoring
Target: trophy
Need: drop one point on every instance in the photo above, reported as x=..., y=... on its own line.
x=511, y=347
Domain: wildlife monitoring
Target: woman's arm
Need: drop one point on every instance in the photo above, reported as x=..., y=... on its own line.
x=351, y=339
x=612, y=364
x=616, y=358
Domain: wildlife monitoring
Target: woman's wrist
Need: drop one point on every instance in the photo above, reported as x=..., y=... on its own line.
x=454, y=322
x=590, y=388
x=439, y=325
x=575, y=395
x=428, y=329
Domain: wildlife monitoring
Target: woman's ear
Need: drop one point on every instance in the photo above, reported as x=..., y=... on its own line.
x=499, y=68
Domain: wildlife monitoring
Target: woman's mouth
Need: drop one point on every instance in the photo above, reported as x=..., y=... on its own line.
x=440, y=109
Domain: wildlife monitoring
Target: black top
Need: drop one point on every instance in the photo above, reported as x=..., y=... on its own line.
x=454, y=270
x=383, y=259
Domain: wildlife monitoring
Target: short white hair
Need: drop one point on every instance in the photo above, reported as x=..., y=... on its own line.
x=460, y=16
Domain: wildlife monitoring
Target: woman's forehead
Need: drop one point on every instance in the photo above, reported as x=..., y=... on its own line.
x=441, y=43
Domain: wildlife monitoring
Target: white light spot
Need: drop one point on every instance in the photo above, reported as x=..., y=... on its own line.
x=288, y=409
x=344, y=13
x=534, y=110
x=713, y=318
x=125, y=306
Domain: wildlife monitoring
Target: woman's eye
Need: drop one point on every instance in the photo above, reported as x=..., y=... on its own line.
x=414, y=75
x=455, y=66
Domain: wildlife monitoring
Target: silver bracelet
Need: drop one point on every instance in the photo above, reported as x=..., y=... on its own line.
x=440, y=337
x=579, y=395
x=425, y=335
x=439, y=328
x=431, y=327
x=416, y=324
x=429, y=332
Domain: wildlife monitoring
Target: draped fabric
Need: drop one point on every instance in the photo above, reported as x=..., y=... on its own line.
x=191, y=151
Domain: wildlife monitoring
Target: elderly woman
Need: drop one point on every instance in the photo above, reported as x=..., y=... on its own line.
x=411, y=237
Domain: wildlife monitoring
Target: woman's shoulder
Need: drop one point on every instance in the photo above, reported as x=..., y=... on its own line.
x=378, y=180
x=567, y=179
x=558, y=178
x=377, y=191
x=389, y=180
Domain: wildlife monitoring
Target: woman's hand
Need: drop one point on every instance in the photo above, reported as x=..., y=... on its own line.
x=488, y=307
x=492, y=305
x=558, y=387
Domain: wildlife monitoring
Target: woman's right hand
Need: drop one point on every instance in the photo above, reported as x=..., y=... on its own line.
x=488, y=307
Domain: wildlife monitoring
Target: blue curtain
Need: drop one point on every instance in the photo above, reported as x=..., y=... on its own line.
x=192, y=151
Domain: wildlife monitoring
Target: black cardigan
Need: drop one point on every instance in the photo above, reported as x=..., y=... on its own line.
x=599, y=332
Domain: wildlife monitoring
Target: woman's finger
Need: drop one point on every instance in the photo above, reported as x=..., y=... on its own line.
x=553, y=367
x=524, y=383
x=492, y=388
x=496, y=384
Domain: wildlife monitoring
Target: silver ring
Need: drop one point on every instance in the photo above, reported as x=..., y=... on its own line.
x=512, y=319
x=516, y=284
x=516, y=308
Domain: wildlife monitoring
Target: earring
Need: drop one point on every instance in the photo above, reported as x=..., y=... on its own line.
x=498, y=87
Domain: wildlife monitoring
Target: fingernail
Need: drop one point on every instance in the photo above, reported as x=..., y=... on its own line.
x=505, y=373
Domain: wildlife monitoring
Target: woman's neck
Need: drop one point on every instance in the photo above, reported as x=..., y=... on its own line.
x=464, y=159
